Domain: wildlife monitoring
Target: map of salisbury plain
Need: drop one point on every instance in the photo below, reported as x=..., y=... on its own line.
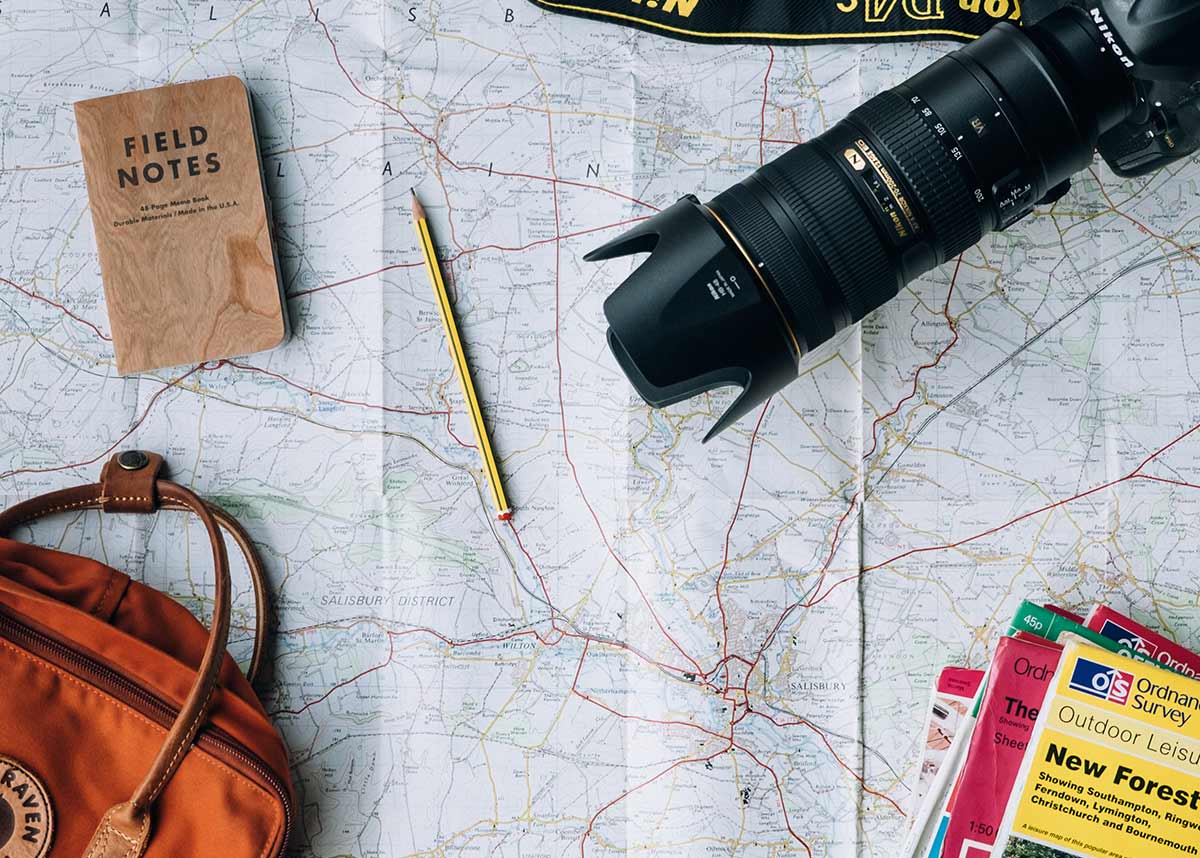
x=674, y=649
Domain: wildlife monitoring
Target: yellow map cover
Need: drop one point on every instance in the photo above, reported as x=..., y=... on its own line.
x=1113, y=767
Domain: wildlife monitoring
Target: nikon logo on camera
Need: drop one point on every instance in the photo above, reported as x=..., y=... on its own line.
x=1119, y=52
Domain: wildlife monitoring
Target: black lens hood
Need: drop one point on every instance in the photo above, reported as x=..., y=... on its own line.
x=696, y=315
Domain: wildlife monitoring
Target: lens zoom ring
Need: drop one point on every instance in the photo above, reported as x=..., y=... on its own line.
x=819, y=195
x=951, y=212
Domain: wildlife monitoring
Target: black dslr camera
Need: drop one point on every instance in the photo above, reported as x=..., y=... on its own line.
x=735, y=291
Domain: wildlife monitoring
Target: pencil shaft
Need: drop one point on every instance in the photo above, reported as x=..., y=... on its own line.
x=461, y=368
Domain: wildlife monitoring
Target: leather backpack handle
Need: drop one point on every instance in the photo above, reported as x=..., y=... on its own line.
x=258, y=578
x=94, y=497
x=129, y=483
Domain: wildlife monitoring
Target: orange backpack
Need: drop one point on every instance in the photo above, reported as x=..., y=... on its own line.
x=125, y=728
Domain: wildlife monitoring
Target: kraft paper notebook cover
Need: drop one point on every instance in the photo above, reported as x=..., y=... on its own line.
x=181, y=218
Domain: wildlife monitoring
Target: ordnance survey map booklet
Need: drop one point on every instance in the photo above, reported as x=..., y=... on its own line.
x=677, y=649
x=931, y=822
x=1020, y=672
x=951, y=699
x=1113, y=768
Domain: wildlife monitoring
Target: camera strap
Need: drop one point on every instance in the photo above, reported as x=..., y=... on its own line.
x=798, y=21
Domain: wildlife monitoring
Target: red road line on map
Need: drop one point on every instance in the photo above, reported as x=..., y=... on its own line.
x=627, y=717
x=392, y=635
x=733, y=722
x=782, y=803
x=670, y=668
x=562, y=411
x=833, y=546
x=355, y=278
x=917, y=376
x=128, y=432
x=729, y=532
x=313, y=392
x=350, y=681
x=551, y=240
x=763, y=116
x=834, y=542
x=1132, y=475
x=58, y=307
x=774, y=775
x=386, y=408
x=461, y=254
x=646, y=783
x=437, y=146
x=1135, y=474
x=1180, y=483
x=537, y=572
x=450, y=431
x=825, y=739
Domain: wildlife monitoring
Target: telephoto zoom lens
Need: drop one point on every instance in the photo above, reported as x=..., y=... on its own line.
x=736, y=291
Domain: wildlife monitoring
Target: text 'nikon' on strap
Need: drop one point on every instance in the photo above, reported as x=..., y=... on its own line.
x=792, y=21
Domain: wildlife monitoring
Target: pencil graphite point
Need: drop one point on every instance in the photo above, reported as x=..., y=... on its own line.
x=417, y=209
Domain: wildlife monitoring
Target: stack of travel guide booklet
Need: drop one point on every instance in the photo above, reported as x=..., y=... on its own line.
x=1082, y=738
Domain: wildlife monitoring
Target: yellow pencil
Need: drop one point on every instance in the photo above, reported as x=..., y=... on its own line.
x=503, y=510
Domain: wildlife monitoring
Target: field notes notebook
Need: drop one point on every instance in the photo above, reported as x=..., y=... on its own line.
x=176, y=190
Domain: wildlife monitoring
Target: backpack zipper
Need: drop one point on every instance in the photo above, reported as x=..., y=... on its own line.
x=211, y=739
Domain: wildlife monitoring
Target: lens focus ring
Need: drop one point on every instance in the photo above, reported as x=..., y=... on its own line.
x=951, y=213
x=819, y=196
x=794, y=272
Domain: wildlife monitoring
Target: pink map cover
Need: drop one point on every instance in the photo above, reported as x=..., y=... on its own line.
x=959, y=681
x=1021, y=672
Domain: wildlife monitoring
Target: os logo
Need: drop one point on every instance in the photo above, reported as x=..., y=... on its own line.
x=1122, y=635
x=1100, y=680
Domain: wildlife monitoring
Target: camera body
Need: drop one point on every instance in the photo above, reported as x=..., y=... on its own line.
x=1150, y=37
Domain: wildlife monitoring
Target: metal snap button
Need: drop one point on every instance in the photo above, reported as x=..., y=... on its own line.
x=133, y=460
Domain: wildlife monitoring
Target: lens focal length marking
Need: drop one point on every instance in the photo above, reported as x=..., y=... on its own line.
x=943, y=134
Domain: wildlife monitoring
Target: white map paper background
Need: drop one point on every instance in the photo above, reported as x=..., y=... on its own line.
x=677, y=650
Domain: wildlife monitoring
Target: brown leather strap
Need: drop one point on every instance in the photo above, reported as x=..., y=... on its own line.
x=63, y=500
x=122, y=833
x=258, y=580
x=131, y=483
x=96, y=495
x=195, y=706
x=128, y=479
